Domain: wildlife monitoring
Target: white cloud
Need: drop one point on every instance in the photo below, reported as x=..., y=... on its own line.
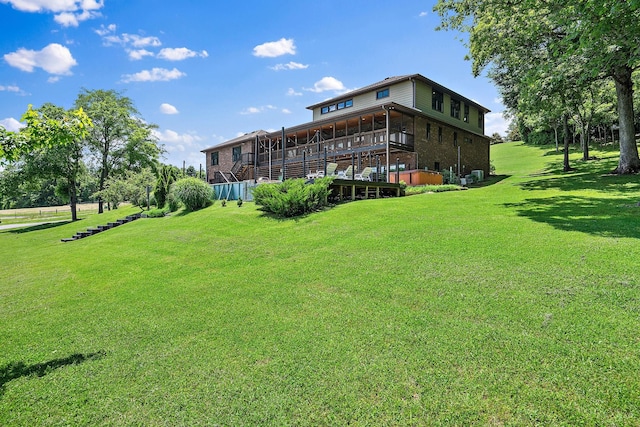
x=188, y=144
x=54, y=59
x=11, y=124
x=104, y=31
x=53, y=79
x=9, y=89
x=252, y=110
x=289, y=66
x=168, y=109
x=292, y=92
x=137, y=54
x=180, y=53
x=153, y=75
x=68, y=12
x=495, y=123
x=275, y=49
x=423, y=14
x=327, y=84
x=286, y=111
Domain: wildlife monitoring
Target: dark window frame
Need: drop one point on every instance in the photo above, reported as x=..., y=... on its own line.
x=437, y=100
x=215, y=158
x=382, y=93
x=236, y=155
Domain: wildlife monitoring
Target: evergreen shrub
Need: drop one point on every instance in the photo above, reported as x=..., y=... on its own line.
x=192, y=193
x=292, y=197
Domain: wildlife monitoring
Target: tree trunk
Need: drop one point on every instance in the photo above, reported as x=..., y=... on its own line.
x=585, y=138
x=73, y=199
x=555, y=130
x=629, y=160
x=567, y=141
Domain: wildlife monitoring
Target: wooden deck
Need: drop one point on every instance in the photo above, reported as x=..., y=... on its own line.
x=347, y=189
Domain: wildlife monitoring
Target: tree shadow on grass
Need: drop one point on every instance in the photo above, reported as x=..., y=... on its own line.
x=590, y=175
x=15, y=370
x=38, y=227
x=606, y=217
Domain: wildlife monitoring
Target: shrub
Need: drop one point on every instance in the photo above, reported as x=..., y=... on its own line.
x=292, y=197
x=193, y=193
x=157, y=213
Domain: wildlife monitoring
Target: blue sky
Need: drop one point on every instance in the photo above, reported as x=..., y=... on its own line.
x=207, y=71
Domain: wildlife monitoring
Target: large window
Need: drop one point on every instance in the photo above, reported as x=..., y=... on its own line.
x=338, y=106
x=237, y=153
x=455, y=108
x=437, y=100
x=384, y=93
x=214, y=159
x=481, y=120
x=466, y=113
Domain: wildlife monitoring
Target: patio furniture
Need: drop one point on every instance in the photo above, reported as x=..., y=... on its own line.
x=365, y=175
x=346, y=174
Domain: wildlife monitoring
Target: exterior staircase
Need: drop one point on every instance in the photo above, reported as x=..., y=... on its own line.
x=101, y=228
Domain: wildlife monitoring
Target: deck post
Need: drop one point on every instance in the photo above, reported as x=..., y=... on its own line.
x=304, y=163
x=325, y=161
x=397, y=170
x=353, y=169
x=284, y=144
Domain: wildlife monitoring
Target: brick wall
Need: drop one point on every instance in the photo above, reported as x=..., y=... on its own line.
x=474, y=149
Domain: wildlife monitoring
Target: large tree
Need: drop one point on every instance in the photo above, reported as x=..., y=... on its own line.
x=55, y=130
x=120, y=139
x=599, y=38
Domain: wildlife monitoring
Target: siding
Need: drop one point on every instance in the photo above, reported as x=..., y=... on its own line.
x=400, y=93
x=423, y=103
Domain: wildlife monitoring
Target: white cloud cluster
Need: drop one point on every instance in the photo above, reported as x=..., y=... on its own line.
x=327, y=84
x=9, y=89
x=180, y=53
x=54, y=59
x=137, y=46
x=495, y=123
x=292, y=92
x=168, y=109
x=68, y=13
x=256, y=110
x=154, y=75
x=423, y=14
x=11, y=124
x=275, y=49
x=289, y=66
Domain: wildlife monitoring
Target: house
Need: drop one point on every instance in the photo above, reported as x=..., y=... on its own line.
x=404, y=122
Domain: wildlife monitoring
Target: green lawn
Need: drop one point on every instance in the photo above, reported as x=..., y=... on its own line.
x=512, y=303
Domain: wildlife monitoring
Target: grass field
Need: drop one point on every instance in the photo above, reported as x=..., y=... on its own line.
x=513, y=303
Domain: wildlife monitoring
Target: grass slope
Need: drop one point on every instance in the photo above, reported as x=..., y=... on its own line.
x=512, y=303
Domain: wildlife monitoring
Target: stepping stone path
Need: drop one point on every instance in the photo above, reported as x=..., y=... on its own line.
x=101, y=228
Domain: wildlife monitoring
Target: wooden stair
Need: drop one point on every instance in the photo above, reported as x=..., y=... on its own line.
x=101, y=228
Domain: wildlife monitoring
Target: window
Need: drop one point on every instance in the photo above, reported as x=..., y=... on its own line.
x=466, y=113
x=237, y=153
x=481, y=120
x=436, y=166
x=455, y=108
x=214, y=159
x=339, y=106
x=440, y=134
x=384, y=93
x=455, y=139
x=428, y=131
x=437, y=99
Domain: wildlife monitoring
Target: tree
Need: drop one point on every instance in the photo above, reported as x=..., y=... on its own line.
x=120, y=140
x=132, y=187
x=166, y=175
x=568, y=44
x=51, y=146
